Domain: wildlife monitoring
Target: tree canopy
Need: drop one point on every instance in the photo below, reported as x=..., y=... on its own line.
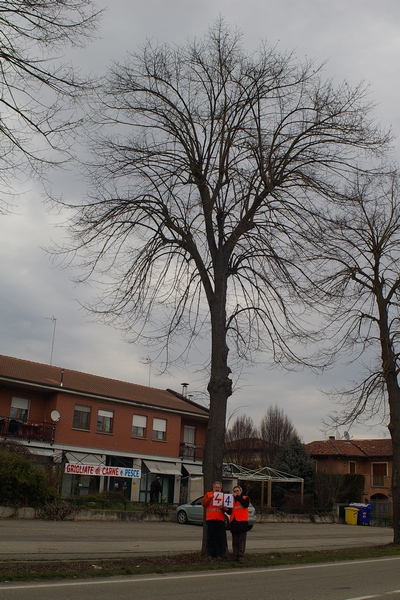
x=208, y=169
x=294, y=459
x=38, y=92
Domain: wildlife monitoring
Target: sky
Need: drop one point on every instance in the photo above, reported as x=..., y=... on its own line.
x=42, y=317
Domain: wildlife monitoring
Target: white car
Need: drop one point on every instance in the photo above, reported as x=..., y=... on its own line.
x=193, y=512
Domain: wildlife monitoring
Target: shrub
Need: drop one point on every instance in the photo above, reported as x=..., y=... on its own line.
x=157, y=509
x=21, y=483
x=331, y=488
x=57, y=510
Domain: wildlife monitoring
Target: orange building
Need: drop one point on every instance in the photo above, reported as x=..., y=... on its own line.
x=371, y=458
x=75, y=418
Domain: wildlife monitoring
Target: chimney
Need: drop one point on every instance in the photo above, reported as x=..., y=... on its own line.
x=331, y=437
x=184, y=389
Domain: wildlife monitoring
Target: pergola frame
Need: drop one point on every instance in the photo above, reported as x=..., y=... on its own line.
x=263, y=474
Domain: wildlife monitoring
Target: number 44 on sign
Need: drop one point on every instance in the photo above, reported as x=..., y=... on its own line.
x=221, y=499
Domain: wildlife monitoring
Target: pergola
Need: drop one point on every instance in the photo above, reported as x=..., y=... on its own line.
x=263, y=474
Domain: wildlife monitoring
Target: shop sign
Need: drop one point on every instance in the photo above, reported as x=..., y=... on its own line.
x=102, y=470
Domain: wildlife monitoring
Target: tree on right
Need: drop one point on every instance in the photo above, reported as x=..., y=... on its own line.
x=358, y=244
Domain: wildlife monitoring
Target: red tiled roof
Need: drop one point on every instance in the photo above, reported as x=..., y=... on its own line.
x=48, y=376
x=351, y=448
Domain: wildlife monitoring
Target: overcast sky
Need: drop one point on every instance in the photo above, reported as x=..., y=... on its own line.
x=359, y=39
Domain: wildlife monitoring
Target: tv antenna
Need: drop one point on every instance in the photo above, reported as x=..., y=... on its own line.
x=54, y=335
x=145, y=360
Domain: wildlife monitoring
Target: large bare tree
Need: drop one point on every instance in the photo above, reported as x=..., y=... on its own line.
x=359, y=248
x=37, y=91
x=207, y=165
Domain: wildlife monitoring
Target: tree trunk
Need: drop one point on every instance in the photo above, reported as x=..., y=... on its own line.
x=388, y=358
x=219, y=388
x=394, y=428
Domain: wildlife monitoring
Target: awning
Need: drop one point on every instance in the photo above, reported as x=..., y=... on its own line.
x=162, y=468
x=46, y=452
x=81, y=458
x=193, y=469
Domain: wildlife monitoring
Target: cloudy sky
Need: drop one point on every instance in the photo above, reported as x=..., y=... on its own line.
x=359, y=39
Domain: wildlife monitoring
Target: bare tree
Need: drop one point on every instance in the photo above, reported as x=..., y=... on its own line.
x=243, y=427
x=276, y=430
x=276, y=427
x=359, y=249
x=35, y=116
x=241, y=441
x=208, y=163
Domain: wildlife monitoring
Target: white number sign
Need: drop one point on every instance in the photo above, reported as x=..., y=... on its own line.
x=220, y=499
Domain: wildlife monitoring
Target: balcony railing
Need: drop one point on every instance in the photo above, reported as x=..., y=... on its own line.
x=379, y=481
x=26, y=430
x=191, y=451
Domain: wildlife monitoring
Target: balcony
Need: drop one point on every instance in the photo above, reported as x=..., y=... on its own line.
x=191, y=451
x=381, y=481
x=30, y=431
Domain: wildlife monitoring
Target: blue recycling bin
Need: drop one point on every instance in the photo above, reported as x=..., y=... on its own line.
x=364, y=513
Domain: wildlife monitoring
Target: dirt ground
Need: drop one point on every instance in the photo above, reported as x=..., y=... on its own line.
x=90, y=568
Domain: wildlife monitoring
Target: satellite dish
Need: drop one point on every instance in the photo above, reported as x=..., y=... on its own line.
x=346, y=435
x=55, y=416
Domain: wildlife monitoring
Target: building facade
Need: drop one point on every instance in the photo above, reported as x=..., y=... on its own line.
x=370, y=458
x=103, y=434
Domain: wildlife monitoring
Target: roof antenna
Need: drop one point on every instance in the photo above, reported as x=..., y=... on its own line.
x=54, y=335
x=145, y=360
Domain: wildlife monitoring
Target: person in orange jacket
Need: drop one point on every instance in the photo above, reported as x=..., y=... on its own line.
x=215, y=522
x=239, y=523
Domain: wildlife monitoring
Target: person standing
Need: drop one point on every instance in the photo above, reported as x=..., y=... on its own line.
x=215, y=523
x=155, y=490
x=239, y=523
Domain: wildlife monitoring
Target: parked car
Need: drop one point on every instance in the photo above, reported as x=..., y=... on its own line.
x=193, y=512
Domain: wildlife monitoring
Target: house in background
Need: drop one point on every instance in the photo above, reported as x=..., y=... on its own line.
x=250, y=452
x=371, y=458
x=104, y=434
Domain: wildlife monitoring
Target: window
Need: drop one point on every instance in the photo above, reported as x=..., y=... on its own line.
x=188, y=450
x=105, y=421
x=139, y=423
x=19, y=409
x=352, y=467
x=159, y=429
x=189, y=434
x=379, y=473
x=81, y=417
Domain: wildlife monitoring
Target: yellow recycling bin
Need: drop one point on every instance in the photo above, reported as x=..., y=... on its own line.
x=351, y=515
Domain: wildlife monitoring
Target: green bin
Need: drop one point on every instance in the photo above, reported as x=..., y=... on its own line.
x=351, y=515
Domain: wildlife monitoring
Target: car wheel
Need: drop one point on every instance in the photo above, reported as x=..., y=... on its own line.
x=181, y=517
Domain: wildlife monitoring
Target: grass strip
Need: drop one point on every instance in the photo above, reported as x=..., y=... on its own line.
x=194, y=561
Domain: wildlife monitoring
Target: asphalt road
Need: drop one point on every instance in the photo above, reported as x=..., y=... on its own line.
x=34, y=540
x=375, y=579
